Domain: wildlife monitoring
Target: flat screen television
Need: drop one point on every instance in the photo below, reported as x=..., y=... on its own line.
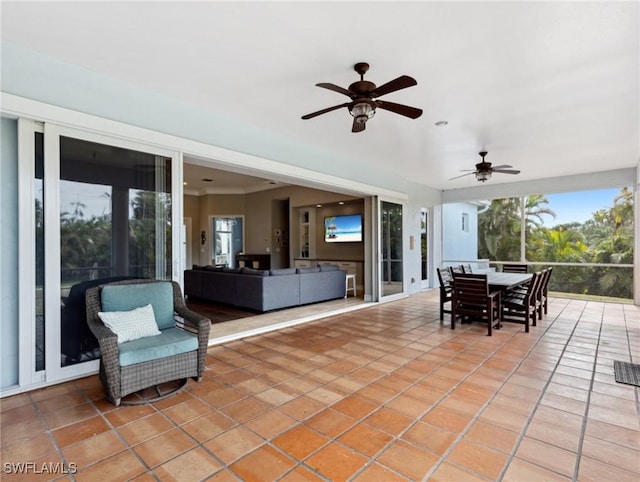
x=343, y=229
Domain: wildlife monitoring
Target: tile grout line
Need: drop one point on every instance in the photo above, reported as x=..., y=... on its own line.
x=523, y=431
x=451, y=448
x=585, y=418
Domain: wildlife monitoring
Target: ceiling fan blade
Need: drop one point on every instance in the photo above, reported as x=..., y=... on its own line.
x=404, y=110
x=324, y=111
x=358, y=126
x=502, y=166
x=462, y=175
x=336, y=88
x=507, y=171
x=401, y=82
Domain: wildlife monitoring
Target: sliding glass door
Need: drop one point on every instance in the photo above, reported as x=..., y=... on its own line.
x=391, y=249
x=101, y=210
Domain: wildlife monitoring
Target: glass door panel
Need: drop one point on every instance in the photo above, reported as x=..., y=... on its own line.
x=424, y=244
x=38, y=190
x=227, y=240
x=115, y=223
x=391, y=261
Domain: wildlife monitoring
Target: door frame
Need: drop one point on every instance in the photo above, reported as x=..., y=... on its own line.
x=53, y=371
x=425, y=283
x=210, y=245
x=377, y=246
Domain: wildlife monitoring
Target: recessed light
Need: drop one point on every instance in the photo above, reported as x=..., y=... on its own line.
x=207, y=180
x=318, y=205
x=441, y=123
x=341, y=203
x=184, y=183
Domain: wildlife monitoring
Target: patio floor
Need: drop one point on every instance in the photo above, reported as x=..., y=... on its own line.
x=383, y=393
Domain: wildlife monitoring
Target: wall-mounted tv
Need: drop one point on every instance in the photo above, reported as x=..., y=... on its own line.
x=343, y=229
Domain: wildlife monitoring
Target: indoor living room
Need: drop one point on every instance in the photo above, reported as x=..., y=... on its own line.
x=276, y=226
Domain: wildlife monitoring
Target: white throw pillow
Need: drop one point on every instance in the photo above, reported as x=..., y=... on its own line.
x=131, y=325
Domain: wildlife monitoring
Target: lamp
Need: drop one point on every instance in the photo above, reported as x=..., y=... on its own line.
x=483, y=176
x=362, y=111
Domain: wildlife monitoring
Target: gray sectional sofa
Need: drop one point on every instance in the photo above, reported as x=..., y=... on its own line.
x=265, y=290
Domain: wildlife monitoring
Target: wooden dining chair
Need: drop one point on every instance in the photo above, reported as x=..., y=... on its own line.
x=543, y=292
x=466, y=268
x=522, y=307
x=446, y=280
x=456, y=269
x=514, y=268
x=472, y=300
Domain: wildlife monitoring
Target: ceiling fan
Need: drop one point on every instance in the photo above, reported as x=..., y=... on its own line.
x=363, y=94
x=484, y=170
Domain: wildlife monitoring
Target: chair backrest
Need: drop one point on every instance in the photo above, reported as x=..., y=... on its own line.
x=456, y=269
x=545, y=283
x=466, y=268
x=514, y=268
x=470, y=289
x=533, y=288
x=444, y=276
x=126, y=297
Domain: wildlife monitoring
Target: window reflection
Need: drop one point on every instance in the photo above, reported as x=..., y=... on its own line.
x=115, y=223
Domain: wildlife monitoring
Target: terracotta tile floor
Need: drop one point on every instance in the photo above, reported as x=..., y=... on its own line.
x=383, y=393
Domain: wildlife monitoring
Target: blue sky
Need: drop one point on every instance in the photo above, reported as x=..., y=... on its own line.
x=578, y=206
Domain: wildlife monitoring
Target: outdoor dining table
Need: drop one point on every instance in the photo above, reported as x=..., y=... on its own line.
x=506, y=281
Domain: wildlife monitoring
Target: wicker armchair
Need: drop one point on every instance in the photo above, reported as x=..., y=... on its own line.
x=123, y=379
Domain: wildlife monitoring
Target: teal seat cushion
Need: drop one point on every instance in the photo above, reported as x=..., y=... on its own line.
x=131, y=296
x=169, y=342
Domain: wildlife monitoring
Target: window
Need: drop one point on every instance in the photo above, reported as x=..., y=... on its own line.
x=465, y=222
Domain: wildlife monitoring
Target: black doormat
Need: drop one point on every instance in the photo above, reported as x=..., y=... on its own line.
x=628, y=373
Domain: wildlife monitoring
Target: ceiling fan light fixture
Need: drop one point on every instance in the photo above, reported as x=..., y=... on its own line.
x=483, y=176
x=362, y=112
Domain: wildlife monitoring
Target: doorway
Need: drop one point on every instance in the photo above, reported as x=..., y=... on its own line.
x=391, y=249
x=228, y=239
x=424, y=248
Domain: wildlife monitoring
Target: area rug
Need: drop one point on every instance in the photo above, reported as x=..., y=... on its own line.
x=628, y=373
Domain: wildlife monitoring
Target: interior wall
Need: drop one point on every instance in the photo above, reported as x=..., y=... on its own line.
x=280, y=233
x=9, y=252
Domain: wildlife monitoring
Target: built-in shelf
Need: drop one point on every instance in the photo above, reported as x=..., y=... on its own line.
x=307, y=247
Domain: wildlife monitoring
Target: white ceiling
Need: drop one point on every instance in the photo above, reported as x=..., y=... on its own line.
x=551, y=88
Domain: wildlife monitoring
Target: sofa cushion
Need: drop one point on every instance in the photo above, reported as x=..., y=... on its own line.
x=227, y=269
x=210, y=267
x=315, y=269
x=282, y=271
x=255, y=272
x=169, y=342
x=130, y=296
x=131, y=325
x=329, y=267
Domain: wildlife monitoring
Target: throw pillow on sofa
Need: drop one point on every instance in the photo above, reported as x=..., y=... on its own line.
x=308, y=270
x=226, y=269
x=255, y=272
x=282, y=271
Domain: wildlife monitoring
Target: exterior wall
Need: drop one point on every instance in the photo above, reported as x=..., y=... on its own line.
x=459, y=243
x=9, y=252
